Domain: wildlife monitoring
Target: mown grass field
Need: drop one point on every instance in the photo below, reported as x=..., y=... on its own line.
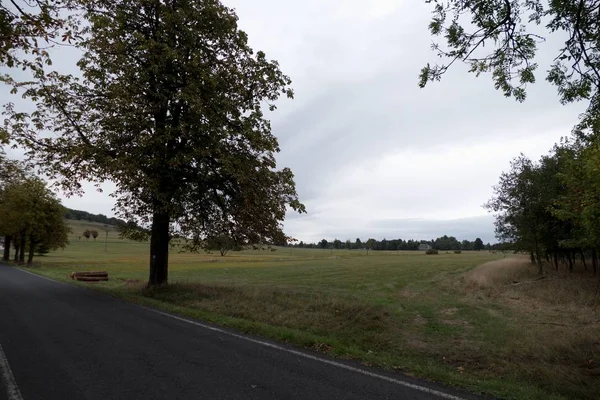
x=475, y=320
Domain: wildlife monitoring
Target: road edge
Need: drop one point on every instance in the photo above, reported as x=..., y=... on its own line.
x=291, y=349
x=12, y=389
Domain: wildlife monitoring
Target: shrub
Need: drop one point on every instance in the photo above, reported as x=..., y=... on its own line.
x=42, y=249
x=457, y=251
x=431, y=251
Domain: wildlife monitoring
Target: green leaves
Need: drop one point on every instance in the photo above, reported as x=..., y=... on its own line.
x=580, y=204
x=553, y=205
x=510, y=26
x=29, y=28
x=28, y=209
x=523, y=204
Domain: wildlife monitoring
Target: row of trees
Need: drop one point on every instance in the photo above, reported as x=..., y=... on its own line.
x=79, y=215
x=551, y=207
x=441, y=243
x=31, y=217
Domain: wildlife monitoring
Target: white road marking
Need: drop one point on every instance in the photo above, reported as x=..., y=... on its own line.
x=8, y=380
x=315, y=358
x=43, y=277
x=399, y=382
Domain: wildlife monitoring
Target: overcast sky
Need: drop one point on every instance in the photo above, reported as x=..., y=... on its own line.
x=374, y=155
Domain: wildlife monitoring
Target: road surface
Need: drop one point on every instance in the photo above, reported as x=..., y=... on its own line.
x=60, y=342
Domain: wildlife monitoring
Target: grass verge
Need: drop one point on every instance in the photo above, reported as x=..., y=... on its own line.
x=493, y=329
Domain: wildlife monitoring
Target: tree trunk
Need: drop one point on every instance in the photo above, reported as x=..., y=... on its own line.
x=583, y=261
x=595, y=261
x=7, y=243
x=22, y=249
x=540, y=263
x=570, y=261
x=31, y=251
x=17, y=248
x=556, y=261
x=159, y=249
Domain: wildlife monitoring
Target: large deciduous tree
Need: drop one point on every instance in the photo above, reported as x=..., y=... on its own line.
x=502, y=37
x=169, y=106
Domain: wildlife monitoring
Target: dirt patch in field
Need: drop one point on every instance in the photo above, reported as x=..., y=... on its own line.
x=405, y=294
x=553, y=317
x=449, y=311
x=419, y=320
x=415, y=341
x=454, y=322
x=499, y=272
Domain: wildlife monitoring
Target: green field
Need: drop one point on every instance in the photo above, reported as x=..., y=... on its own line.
x=475, y=320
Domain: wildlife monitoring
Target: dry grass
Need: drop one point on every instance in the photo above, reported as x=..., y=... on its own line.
x=555, y=319
x=498, y=272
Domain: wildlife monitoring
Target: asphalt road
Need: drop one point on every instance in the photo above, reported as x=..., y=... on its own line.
x=59, y=342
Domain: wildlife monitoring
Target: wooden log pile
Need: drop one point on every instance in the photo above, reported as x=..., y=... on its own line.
x=90, y=276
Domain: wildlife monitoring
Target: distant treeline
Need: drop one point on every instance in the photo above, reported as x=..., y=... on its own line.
x=80, y=215
x=441, y=243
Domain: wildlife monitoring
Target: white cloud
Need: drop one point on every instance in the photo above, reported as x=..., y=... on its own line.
x=436, y=183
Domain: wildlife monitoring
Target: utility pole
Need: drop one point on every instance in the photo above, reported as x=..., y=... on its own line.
x=106, y=230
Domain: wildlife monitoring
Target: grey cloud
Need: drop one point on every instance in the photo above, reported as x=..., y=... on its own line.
x=462, y=228
x=419, y=229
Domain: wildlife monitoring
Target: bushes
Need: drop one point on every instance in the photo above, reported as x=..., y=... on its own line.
x=42, y=249
x=434, y=252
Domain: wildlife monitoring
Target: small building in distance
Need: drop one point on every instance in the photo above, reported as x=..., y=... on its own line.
x=424, y=246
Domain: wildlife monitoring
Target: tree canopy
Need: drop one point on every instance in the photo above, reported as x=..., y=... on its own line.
x=31, y=217
x=502, y=37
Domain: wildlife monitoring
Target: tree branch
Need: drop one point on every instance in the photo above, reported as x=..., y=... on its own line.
x=19, y=9
x=577, y=30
